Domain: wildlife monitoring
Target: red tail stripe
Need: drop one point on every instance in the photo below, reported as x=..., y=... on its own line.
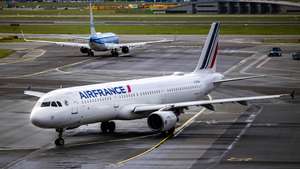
x=215, y=55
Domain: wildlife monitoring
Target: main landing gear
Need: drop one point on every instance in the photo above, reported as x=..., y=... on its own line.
x=108, y=127
x=90, y=52
x=168, y=132
x=59, y=141
x=114, y=52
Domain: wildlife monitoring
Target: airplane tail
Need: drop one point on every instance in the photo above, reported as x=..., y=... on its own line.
x=92, y=25
x=209, y=52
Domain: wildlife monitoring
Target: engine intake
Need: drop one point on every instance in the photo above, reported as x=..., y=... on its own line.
x=125, y=49
x=162, y=120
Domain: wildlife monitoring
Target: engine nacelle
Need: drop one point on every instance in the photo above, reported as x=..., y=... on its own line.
x=162, y=120
x=84, y=50
x=125, y=49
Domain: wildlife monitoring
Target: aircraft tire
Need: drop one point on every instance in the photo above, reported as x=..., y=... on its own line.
x=111, y=126
x=114, y=53
x=108, y=127
x=59, y=142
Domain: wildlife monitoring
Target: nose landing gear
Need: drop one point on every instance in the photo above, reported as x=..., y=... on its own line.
x=59, y=141
x=108, y=127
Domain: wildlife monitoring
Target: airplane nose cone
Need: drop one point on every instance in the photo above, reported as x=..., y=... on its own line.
x=40, y=118
x=37, y=120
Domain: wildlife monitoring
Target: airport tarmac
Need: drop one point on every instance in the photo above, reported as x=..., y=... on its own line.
x=264, y=134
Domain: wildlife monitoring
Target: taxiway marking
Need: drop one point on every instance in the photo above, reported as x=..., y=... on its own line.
x=41, y=53
x=49, y=70
x=262, y=63
x=176, y=133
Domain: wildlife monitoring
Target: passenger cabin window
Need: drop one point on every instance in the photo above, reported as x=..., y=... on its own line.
x=59, y=103
x=53, y=104
x=45, y=104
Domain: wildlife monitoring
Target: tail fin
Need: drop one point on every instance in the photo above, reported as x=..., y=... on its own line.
x=209, y=52
x=92, y=26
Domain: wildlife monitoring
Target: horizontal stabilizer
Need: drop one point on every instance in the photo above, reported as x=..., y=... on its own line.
x=238, y=78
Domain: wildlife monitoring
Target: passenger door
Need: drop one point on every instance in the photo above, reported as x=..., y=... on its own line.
x=74, y=113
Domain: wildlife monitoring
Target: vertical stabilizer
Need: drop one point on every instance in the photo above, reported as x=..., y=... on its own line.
x=208, y=57
x=92, y=25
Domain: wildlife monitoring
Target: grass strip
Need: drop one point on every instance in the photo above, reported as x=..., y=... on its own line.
x=5, y=52
x=155, y=29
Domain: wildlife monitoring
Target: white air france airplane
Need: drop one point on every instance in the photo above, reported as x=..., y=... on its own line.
x=101, y=42
x=159, y=99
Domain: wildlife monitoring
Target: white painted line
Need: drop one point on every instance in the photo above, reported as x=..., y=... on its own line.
x=262, y=63
x=253, y=63
x=61, y=71
x=48, y=70
x=190, y=121
x=27, y=57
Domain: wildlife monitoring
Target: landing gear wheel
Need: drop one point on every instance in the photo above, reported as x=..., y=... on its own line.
x=108, y=126
x=114, y=53
x=90, y=53
x=59, y=141
x=168, y=132
x=111, y=127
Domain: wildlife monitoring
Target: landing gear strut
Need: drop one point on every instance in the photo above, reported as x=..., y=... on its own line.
x=168, y=132
x=90, y=52
x=108, y=127
x=114, y=52
x=59, y=141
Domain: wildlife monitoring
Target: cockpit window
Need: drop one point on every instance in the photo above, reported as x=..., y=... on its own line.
x=45, y=104
x=53, y=104
x=59, y=104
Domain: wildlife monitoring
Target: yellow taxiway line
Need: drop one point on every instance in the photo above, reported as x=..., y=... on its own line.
x=177, y=132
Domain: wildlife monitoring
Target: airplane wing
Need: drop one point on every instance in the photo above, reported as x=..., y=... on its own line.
x=204, y=103
x=34, y=93
x=238, y=78
x=70, y=44
x=136, y=44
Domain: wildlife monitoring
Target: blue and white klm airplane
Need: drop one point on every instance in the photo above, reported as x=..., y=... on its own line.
x=159, y=99
x=101, y=42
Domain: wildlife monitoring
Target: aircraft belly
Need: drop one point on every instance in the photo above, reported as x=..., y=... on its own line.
x=97, y=113
x=98, y=47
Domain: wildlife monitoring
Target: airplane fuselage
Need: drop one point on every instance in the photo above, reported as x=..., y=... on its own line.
x=101, y=42
x=77, y=106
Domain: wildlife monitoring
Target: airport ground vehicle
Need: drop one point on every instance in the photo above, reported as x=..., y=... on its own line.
x=296, y=56
x=275, y=51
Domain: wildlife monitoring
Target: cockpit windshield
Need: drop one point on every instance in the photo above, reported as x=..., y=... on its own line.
x=45, y=104
x=52, y=104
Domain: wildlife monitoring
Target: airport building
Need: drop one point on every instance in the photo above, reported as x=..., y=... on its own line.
x=236, y=7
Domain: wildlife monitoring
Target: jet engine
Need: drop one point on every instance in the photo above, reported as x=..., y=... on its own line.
x=125, y=49
x=84, y=50
x=162, y=120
